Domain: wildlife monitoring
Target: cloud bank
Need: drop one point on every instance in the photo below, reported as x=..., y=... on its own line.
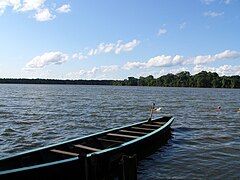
x=50, y=58
x=168, y=61
x=227, y=70
x=163, y=64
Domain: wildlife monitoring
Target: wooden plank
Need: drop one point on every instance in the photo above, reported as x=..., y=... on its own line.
x=122, y=135
x=140, y=128
x=151, y=125
x=135, y=132
x=160, y=123
x=110, y=140
x=64, y=152
x=87, y=147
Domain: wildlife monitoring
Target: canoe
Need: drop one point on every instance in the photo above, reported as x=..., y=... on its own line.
x=90, y=157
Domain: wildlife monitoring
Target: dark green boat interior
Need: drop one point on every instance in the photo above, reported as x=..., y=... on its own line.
x=82, y=146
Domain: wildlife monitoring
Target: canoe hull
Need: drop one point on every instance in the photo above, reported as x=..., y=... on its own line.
x=99, y=165
x=106, y=165
x=56, y=171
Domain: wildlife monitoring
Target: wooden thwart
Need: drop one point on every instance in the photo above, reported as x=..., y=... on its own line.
x=64, y=152
x=122, y=135
x=140, y=128
x=110, y=140
x=151, y=125
x=135, y=132
x=160, y=123
x=87, y=147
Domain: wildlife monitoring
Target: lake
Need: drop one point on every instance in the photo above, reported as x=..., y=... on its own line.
x=205, y=143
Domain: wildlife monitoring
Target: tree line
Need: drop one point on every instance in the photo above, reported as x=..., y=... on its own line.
x=184, y=79
x=55, y=81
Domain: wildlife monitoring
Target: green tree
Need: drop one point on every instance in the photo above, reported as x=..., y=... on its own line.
x=183, y=79
x=226, y=82
x=168, y=80
x=202, y=79
x=132, y=81
x=235, y=81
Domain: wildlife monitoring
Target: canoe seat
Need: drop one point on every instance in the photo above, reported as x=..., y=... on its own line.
x=110, y=140
x=122, y=135
x=87, y=147
x=134, y=132
x=151, y=125
x=160, y=123
x=64, y=152
x=144, y=129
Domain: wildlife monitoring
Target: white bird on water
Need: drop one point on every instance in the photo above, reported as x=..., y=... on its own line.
x=157, y=109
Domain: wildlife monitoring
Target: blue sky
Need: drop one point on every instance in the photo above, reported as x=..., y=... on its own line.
x=108, y=39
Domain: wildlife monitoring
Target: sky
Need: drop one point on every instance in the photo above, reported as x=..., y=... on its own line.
x=107, y=39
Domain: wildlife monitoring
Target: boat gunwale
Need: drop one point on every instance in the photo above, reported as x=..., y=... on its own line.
x=38, y=166
x=169, y=122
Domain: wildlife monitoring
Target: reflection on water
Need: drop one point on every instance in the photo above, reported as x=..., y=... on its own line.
x=205, y=143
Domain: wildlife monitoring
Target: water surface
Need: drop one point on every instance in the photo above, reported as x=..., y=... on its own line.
x=205, y=143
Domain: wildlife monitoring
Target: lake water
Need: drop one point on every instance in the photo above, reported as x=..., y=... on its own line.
x=205, y=143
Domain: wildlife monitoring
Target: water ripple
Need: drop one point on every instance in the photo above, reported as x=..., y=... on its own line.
x=205, y=143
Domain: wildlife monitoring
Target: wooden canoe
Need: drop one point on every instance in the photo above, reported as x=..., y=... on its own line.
x=89, y=157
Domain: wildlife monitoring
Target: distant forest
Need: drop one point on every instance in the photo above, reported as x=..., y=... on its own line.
x=183, y=79
x=56, y=81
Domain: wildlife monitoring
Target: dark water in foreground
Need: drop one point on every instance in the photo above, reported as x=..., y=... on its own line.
x=205, y=143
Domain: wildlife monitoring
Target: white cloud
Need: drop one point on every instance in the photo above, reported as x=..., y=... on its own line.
x=64, y=8
x=162, y=31
x=167, y=61
x=213, y=14
x=46, y=59
x=114, y=47
x=158, y=61
x=134, y=65
x=15, y=4
x=227, y=54
x=44, y=15
x=203, y=59
x=227, y=70
x=101, y=72
x=164, y=61
x=39, y=7
x=126, y=47
x=29, y=5
x=60, y=58
x=102, y=48
x=79, y=56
